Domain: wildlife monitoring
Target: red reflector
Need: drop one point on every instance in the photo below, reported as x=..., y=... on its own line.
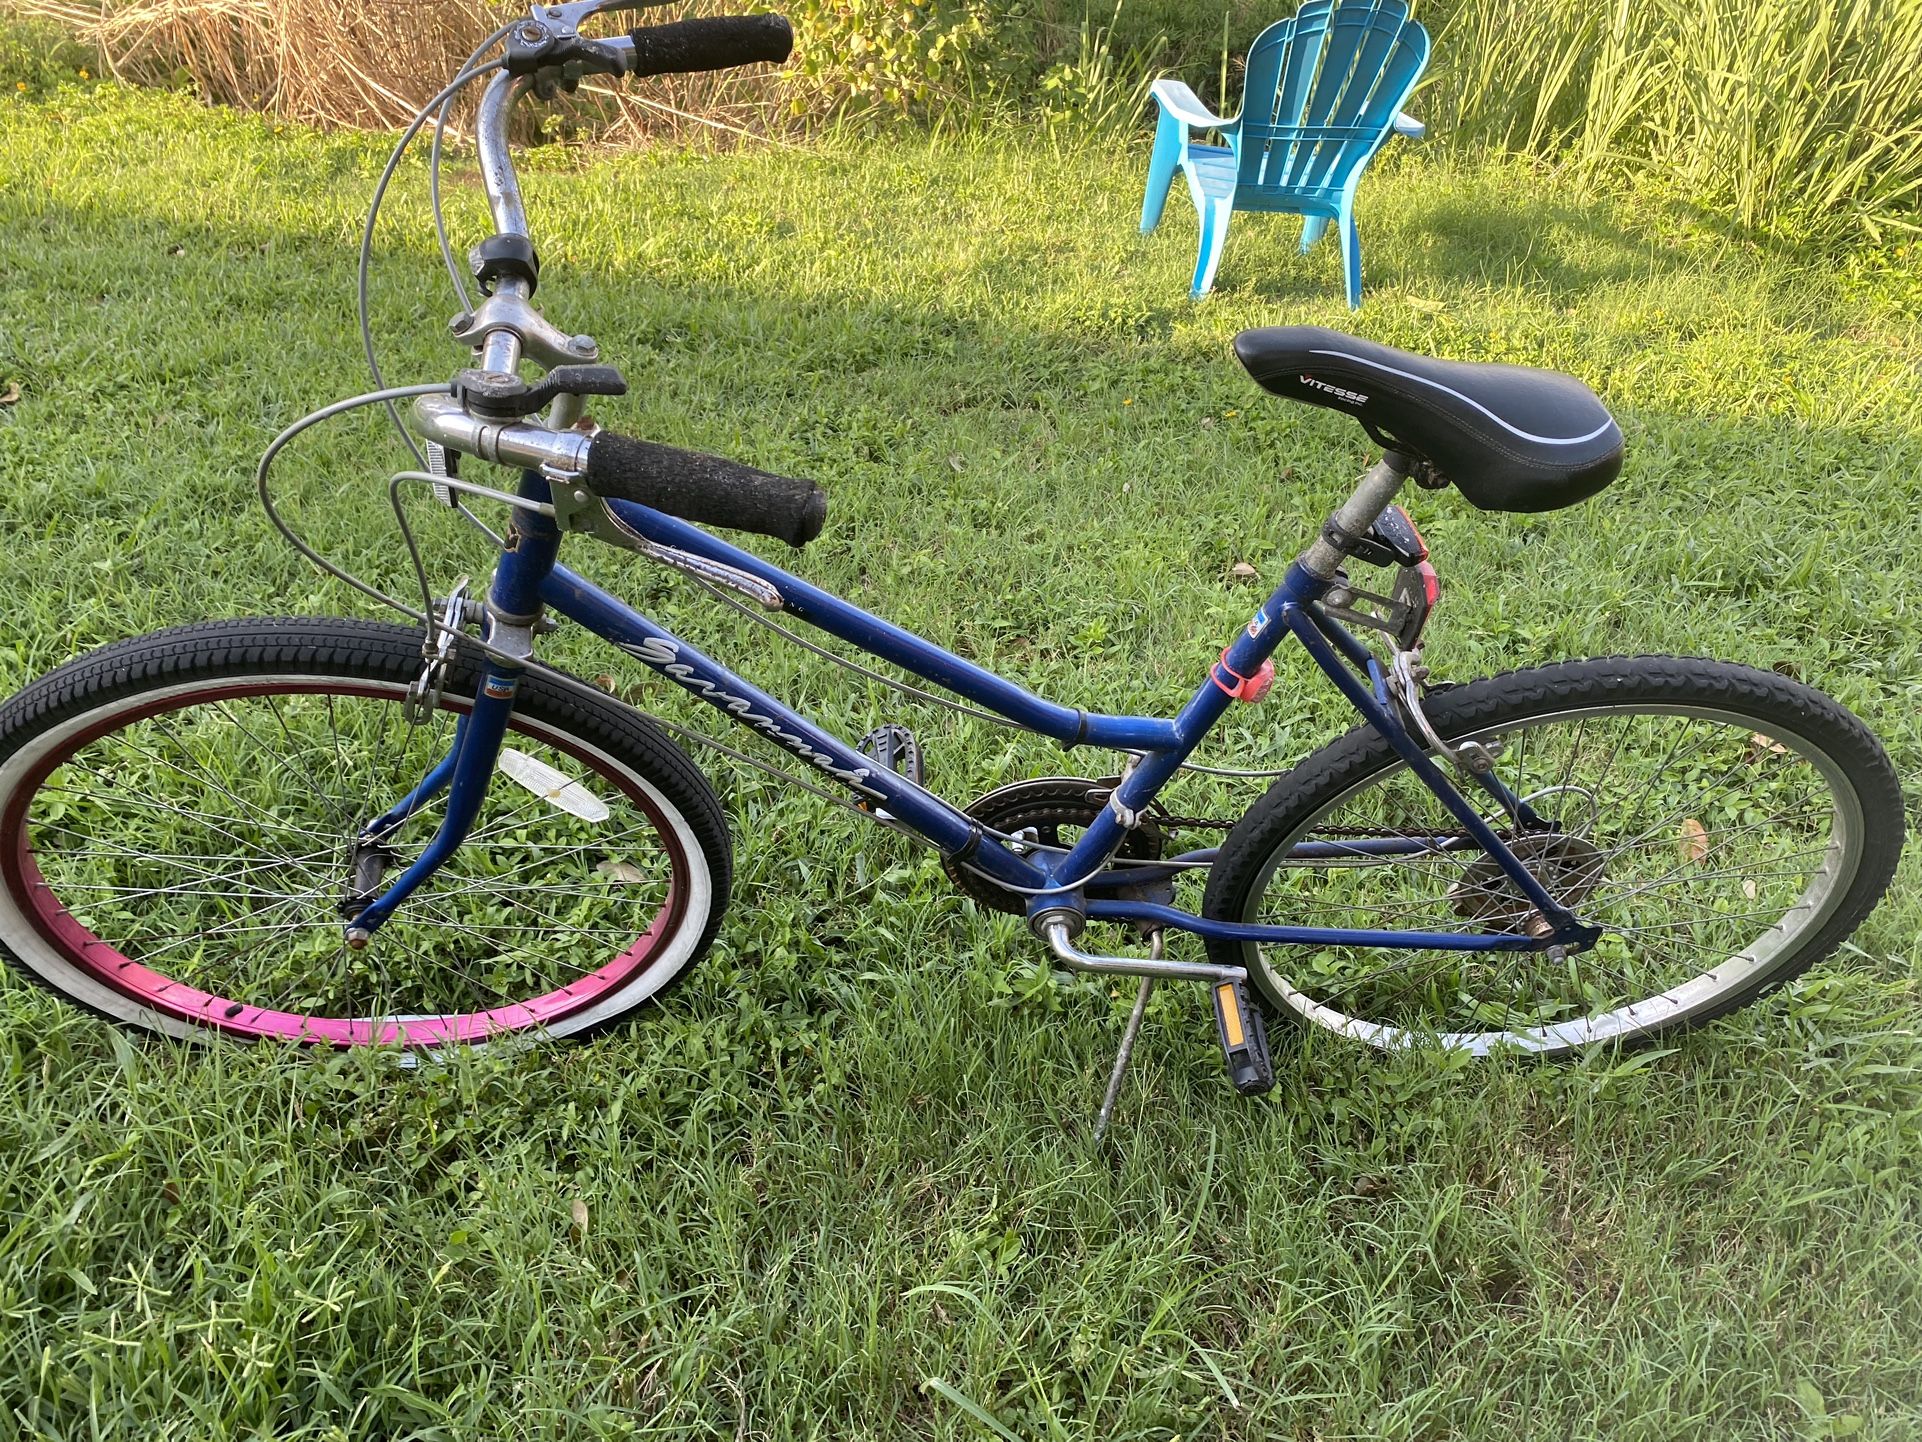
x=1430, y=583
x=1421, y=542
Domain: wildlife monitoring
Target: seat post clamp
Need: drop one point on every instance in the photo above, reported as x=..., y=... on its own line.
x=1339, y=536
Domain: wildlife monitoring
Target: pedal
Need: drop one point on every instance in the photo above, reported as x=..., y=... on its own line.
x=1244, y=1039
x=894, y=749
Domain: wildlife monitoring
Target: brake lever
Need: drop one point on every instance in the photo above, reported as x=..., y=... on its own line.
x=503, y=396
x=566, y=17
x=549, y=44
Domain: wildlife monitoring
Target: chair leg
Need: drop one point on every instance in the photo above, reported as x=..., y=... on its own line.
x=1214, y=235
x=1351, y=259
x=1313, y=228
x=1161, y=171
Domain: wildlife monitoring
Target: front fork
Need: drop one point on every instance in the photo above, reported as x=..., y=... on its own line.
x=513, y=610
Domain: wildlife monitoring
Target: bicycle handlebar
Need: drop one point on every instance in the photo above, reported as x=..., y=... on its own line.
x=705, y=489
x=718, y=43
x=700, y=488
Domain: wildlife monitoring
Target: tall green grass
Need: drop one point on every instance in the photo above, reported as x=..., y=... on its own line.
x=1793, y=115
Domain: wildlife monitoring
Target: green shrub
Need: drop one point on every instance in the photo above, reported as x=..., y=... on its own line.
x=37, y=56
x=904, y=56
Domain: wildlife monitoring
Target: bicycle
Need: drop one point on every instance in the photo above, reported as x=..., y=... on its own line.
x=344, y=832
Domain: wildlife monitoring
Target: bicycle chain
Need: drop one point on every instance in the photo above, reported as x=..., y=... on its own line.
x=1207, y=823
x=1193, y=823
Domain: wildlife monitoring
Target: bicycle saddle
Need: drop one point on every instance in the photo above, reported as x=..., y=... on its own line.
x=1510, y=438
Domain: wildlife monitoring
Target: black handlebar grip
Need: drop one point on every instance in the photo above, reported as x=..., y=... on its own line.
x=718, y=43
x=705, y=489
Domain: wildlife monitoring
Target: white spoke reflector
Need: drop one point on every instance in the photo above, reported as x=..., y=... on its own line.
x=552, y=786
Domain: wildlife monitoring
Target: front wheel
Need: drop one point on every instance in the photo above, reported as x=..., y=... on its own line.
x=177, y=814
x=1725, y=827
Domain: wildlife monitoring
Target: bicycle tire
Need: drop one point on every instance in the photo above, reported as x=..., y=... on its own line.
x=662, y=845
x=1768, y=724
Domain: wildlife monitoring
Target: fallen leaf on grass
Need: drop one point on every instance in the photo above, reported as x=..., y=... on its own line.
x=1694, y=841
x=10, y=393
x=578, y=1211
x=1242, y=571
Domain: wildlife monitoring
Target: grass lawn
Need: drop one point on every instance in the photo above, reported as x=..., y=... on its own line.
x=840, y=1185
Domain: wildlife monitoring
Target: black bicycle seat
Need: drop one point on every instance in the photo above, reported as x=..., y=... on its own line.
x=1510, y=438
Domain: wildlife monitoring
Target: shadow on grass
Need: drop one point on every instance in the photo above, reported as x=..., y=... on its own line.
x=1554, y=250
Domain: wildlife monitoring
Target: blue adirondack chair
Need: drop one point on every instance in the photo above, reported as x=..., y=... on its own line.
x=1323, y=91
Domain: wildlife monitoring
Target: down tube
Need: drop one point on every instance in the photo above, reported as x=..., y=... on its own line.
x=581, y=600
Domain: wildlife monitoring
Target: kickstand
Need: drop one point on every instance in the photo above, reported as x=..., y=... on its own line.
x=1106, y=1113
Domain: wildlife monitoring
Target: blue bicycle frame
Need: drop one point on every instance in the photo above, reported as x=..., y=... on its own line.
x=529, y=576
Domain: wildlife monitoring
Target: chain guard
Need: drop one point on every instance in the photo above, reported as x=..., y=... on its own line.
x=1043, y=806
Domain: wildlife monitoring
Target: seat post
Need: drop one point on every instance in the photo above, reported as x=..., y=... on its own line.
x=1340, y=532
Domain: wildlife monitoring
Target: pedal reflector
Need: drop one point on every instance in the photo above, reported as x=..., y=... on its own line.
x=1230, y=1006
x=1244, y=1040
x=554, y=787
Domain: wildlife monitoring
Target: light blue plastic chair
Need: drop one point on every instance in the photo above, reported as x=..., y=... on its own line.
x=1323, y=91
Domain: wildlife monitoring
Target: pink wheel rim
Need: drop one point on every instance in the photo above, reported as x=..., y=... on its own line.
x=169, y=997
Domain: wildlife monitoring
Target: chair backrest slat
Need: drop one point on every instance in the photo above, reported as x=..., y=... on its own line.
x=1322, y=89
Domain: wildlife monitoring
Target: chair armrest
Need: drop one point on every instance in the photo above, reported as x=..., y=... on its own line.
x=1184, y=105
x=1406, y=125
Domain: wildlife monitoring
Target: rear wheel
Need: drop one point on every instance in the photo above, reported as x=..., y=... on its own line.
x=1725, y=827
x=177, y=814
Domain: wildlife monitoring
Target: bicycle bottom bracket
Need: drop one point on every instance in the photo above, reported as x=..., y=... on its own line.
x=1244, y=1039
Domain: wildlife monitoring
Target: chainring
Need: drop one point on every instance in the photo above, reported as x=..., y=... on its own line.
x=1036, y=811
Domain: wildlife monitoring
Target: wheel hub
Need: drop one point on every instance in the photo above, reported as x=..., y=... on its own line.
x=1568, y=867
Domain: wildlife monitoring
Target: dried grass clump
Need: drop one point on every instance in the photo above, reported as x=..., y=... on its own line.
x=361, y=63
